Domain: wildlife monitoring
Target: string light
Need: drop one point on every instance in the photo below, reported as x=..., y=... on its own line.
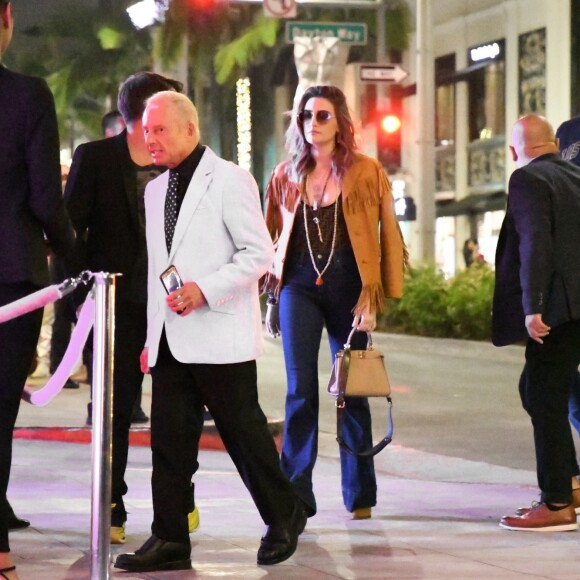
x=244, y=123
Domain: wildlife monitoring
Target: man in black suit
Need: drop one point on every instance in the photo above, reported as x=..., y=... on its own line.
x=537, y=293
x=32, y=214
x=104, y=196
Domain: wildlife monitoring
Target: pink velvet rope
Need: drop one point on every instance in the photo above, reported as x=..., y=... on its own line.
x=29, y=303
x=40, y=299
x=72, y=355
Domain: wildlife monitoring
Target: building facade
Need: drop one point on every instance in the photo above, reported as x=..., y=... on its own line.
x=494, y=61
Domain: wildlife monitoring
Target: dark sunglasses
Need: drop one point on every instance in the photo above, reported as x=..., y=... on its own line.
x=321, y=116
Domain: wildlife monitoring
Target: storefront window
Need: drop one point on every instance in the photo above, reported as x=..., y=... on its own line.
x=445, y=102
x=486, y=91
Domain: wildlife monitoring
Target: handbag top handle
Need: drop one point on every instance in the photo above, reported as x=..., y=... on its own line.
x=369, y=339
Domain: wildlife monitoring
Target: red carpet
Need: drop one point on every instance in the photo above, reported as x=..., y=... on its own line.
x=140, y=436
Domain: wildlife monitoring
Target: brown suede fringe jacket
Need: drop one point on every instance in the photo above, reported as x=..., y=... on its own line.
x=374, y=232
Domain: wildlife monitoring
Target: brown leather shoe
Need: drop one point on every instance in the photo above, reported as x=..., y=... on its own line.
x=542, y=519
x=575, y=503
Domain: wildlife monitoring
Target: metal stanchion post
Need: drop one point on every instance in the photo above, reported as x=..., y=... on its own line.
x=104, y=340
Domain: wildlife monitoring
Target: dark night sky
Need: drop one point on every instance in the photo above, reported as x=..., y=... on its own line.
x=32, y=12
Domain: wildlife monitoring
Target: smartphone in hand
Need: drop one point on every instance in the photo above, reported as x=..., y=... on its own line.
x=171, y=279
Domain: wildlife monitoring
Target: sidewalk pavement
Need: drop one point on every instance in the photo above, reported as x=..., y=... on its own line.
x=436, y=517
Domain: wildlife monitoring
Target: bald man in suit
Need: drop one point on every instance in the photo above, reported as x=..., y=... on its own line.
x=537, y=297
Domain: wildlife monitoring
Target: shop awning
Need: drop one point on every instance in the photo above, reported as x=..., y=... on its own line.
x=448, y=78
x=472, y=204
x=461, y=75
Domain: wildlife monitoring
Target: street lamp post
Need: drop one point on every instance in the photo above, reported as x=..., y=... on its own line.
x=425, y=122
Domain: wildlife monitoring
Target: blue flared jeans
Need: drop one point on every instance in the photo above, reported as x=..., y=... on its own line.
x=305, y=309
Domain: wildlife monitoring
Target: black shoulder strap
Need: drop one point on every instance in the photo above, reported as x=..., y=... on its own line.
x=368, y=452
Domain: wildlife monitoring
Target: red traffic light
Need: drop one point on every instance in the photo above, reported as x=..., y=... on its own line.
x=389, y=140
x=390, y=123
x=202, y=4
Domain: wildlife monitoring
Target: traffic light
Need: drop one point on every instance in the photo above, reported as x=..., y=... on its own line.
x=201, y=4
x=389, y=123
x=389, y=140
x=204, y=17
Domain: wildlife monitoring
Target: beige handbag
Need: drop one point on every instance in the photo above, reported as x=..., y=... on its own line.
x=360, y=373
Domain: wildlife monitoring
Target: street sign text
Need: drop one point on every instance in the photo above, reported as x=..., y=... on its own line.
x=390, y=73
x=348, y=32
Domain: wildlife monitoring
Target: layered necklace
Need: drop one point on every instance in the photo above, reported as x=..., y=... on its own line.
x=316, y=220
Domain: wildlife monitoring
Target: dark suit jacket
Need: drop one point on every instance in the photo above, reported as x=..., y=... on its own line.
x=538, y=252
x=30, y=182
x=101, y=197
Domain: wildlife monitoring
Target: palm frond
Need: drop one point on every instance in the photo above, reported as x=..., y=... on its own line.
x=232, y=60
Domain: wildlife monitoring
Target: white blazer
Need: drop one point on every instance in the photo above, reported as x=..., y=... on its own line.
x=221, y=243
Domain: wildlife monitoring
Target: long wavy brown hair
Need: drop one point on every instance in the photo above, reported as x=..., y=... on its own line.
x=301, y=161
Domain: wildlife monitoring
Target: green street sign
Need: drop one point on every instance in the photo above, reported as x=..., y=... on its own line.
x=347, y=32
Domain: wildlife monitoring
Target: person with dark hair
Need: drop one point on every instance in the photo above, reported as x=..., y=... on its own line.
x=32, y=214
x=568, y=135
x=537, y=297
x=207, y=246
x=112, y=124
x=340, y=253
x=471, y=253
x=104, y=196
x=468, y=248
x=137, y=89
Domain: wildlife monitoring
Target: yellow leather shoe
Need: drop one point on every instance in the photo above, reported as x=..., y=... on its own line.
x=193, y=520
x=118, y=535
x=363, y=513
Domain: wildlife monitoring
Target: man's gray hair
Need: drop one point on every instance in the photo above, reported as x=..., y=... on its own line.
x=185, y=109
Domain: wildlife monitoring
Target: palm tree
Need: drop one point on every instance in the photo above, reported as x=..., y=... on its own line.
x=227, y=41
x=87, y=52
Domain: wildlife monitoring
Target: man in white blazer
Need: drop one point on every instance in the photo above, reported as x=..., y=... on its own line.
x=204, y=337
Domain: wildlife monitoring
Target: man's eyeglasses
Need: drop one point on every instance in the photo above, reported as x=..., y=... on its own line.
x=321, y=116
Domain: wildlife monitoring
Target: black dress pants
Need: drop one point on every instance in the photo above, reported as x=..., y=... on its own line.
x=130, y=335
x=230, y=393
x=18, y=338
x=545, y=386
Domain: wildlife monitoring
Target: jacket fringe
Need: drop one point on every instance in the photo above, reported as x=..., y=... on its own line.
x=282, y=191
x=371, y=298
x=406, y=258
x=361, y=188
x=357, y=200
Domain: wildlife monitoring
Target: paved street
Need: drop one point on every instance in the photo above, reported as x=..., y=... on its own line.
x=462, y=456
x=454, y=398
